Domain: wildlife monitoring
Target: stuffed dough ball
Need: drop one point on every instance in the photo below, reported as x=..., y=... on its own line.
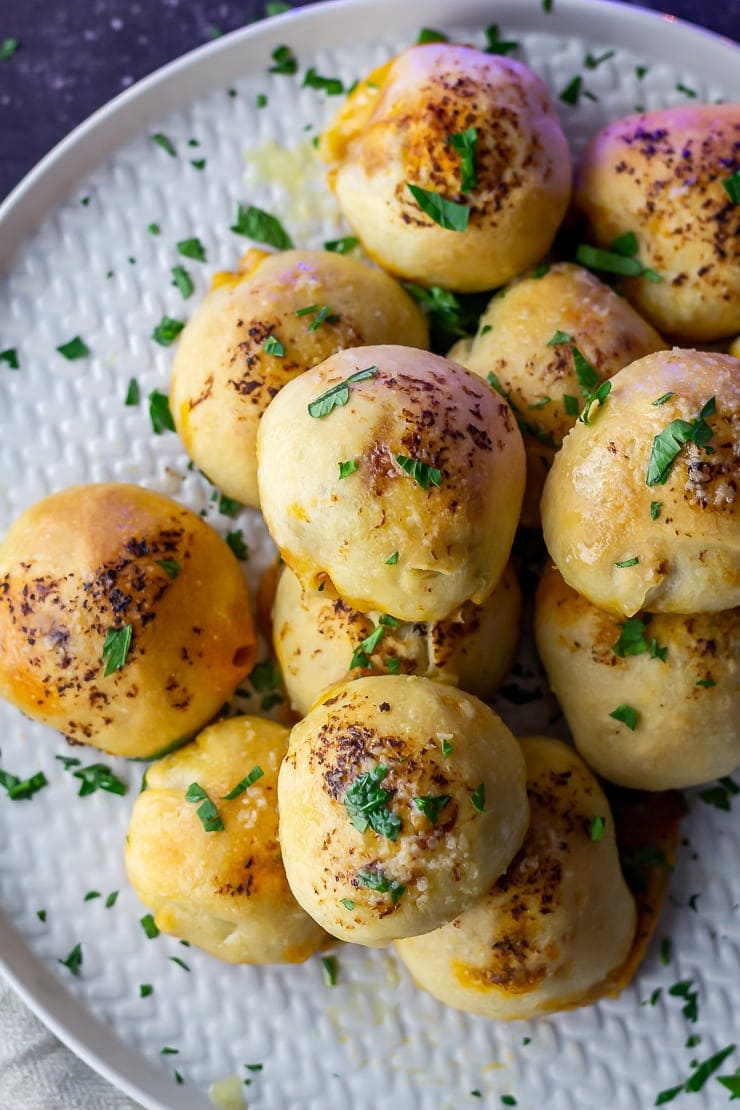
x=661, y=178
x=652, y=702
x=450, y=165
x=321, y=641
x=124, y=618
x=554, y=930
x=640, y=508
x=259, y=328
x=203, y=853
x=401, y=801
x=546, y=343
x=394, y=477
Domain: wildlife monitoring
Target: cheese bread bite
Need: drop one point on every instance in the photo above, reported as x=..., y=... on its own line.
x=640, y=509
x=546, y=343
x=259, y=328
x=394, y=477
x=656, y=183
x=401, y=800
x=552, y=932
x=321, y=641
x=203, y=853
x=124, y=619
x=450, y=165
x=652, y=702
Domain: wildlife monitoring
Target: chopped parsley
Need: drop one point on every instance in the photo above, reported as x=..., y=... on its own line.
x=98, y=777
x=273, y=346
x=76, y=348
x=547, y=6
x=192, y=248
x=596, y=828
x=428, y=34
x=640, y=72
x=165, y=143
x=508, y=1100
x=181, y=280
x=265, y=676
x=626, y=715
x=260, y=101
x=703, y=1072
x=731, y=186
x=8, y=48
x=392, y=559
x=116, y=648
x=347, y=903
x=91, y=894
x=179, y=962
x=478, y=797
x=431, y=805
x=628, y=562
x=593, y=61
x=393, y=664
x=322, y=314
x=422, y=473
x=616, y=261
x=284, y=61
x=20, y=789
x=41, y=914
x=464, y=143
x=682, y=990
x=721, y=796
x=329, y=966
x=449, y=214
x=73, y=960
x=148, y=925
x=342, y=246
x=705, y=682
x=167, y=331
x=571, y=94
x=367, y=806
x=261, y=226
x=632, y=638
x=160, y=413
x=732, y=1083
x=235, y=540
x=446, y=746
x=111, y=900
x=249, y=780
x=692, y=93
x=376, y=880
x=588, y=379
x=198, y=163
x=206, y=811
x=227, y=506
x=655, y=507
x=665, y=951
x=497, y=45
x=171, y=567
x=10, y=357
x=132, y=393
x=332, y=86
x=276, y=7
x=338, y=395
x=662, y=399
x=347, y=468
x=668, y=443
x=167, y=1051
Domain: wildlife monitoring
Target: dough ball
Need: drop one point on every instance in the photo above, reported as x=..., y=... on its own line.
x=553, y=931
x=222, y=889
x=401, y=800
x=660, y=176
x=247, y=340
x=317, y=638
x=425, y=520
x=735, y=348
x=109, y=574
x=540, y=379
x=679, y=674
x=670, y=546
x=470, y=128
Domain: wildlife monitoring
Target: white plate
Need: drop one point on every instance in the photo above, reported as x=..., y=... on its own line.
x=373, y=1040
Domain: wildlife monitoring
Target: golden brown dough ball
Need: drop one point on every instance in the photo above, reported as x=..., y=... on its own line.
x=252, y=334
x=222, y=888
x=473, y=129
x=114, y=578
x=546, y=383
x=735, y=348
x=401, y=800
x=425, y=514
x=673, y=681
x=640, y=509
x=660, y=176
x=317, y=639
x=553, y=931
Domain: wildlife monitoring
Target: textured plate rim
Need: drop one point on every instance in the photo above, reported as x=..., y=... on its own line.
x=168, y=89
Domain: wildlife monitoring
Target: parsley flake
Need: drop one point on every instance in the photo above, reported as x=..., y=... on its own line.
x=683, y=990
x=165, y=143
x=198, y=163
x=73, y=960
x=626, y=715
x=111, y=900
x=249, y=780
x=431, y=805
x=572, y=92
x=192, y=248
x=261, y=226
x=227, y=506
x=273, y=346
x=132, y=393
x=160, y=413
x=596, y=828
x=235, y=540
x=446, y=746
x=41, y=914
x=497, y=45
x=731, y=186
x=392, y=559
x=347, y=468
x=22, y=789
x=428, y=34
x=366, y=803
x=662, y=399
x=342, y=246
x=276, y=7
x=614, y=262
x=98, y=777
x=10, y=358
x=668, y=443
x=721, y=796
x=422, y=473
x=655, y=507
x=628, y=562
x=116, y=648
x=347, y=903
x=332, y=86
x=167, y=331
x=338, y=395
x=330, y=967
x=478, y=797
x=665, y=951
x=284, y=61
x=464, y=143
x=376, y=880
x=149, y=926
x=206, y=811
x=692, y=93
x=76, y=348
x=91, y=894
x=8, y=48
x=265, y=676
x=171, y=567
x=182, y=281
x=593, y=61
x=449, y=214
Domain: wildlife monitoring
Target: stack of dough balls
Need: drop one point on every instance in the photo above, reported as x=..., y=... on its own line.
x=260, y=327
x=224, y=887
x=115, y=564
x=638, y=631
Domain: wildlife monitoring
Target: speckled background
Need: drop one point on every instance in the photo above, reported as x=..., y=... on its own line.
x=74, y=55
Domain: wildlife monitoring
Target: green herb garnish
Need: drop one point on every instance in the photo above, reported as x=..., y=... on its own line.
x=8, y=48
x=227, y=506
x=76, y=348
x=235, y=540
x=655, y=507
x=422, y=473
x=249, y=780
x=179, y=962
x=98, y=777
x=392, y=559
x=376, y=880
x=160, y=413
x=464, y=143
x=116, y=648
x=731, y=186
x=181, y=280
x=111, y=899
x=366, y=803
x=284, y=61
x=626, y=715
x=431, y=805
x=167, y=331
x=261, y=226
x=165, y=143
x=148, y=925
x=347, y=903
x=206, y=811
x=478, y=797
x=342, y=246
x=446, y=746
x=338, y=395
x=668, y=443
x=171, y=567
x=449, y=214
x=329, y=965
x=628, y=562
x=276, y=7
x=132, y=393
x=265, y=676
x=22, y=789
x=428, y=34
x=192, y=248
x=273, y=346
x=497, y=45
x=91, y=894
x=721, y=796
x=332, y=86
x=572, y=91
x=593, y=61
x=662, y=399
x=73, y=960
x=614, y=262
x=347, y=468
x=596, y=828
x=10, y=358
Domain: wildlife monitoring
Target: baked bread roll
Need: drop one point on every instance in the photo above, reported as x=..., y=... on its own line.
x=252, y=334
x=672, y=680
x=640, y=509
x=476, y=131
x=424, y=517
x=318, y=641
x=552, y=932
x=401, y=800
x=660, y=177
x=221, y=888
x=124, y=618
x=547, y=383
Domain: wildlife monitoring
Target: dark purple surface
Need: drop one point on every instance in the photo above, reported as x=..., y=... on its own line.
x=74, y=55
